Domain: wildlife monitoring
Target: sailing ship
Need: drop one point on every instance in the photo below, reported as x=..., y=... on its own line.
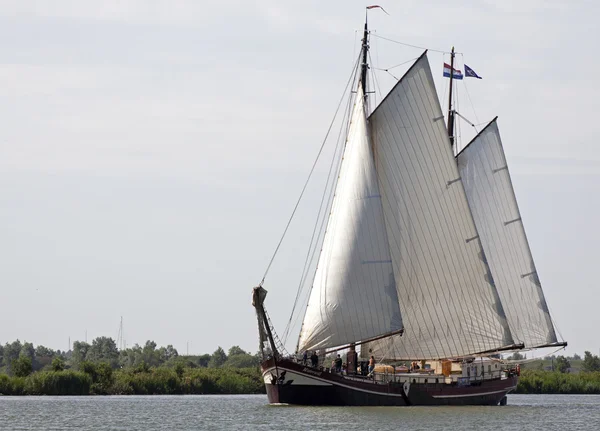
x=424, y=268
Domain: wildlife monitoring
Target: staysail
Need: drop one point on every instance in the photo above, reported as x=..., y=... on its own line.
x=353, y=295
x=449, y=304
x=485, y=176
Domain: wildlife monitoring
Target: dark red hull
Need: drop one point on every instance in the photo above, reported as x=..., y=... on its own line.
x=293, y=383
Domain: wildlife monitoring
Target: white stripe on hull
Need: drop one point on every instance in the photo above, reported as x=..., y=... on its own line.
x=321, y=381
x=479, y=394
x=299, y=379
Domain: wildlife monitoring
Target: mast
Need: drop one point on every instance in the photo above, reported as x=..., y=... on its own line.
x=365, y=65
x=450, y=111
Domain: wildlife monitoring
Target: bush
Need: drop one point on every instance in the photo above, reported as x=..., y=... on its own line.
x=58, y=383
x=122, y=384
x=58, y=364
x=22, y=367
x=11, y=385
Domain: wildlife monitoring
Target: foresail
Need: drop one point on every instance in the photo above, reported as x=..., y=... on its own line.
x=449, y=304
x=353, y=296
x=485, y=176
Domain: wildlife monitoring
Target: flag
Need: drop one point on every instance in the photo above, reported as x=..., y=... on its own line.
x=456, y=75
x=377, y=6
x=471, y=73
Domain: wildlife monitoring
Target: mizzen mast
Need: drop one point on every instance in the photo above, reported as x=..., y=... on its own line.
x=450, y=110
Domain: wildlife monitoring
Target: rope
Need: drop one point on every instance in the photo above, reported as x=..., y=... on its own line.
x=314, y=241
x=412, y=46
x=375, y=81
x=374, y=76
x=397, y=65
x=312, y=169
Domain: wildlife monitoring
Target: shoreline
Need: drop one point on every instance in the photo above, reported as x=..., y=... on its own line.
x=230, y=381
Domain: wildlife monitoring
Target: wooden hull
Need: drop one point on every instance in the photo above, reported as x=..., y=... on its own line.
x=293, y=383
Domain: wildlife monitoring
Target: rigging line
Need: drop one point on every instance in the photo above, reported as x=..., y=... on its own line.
x=397, y=65
x=459, y=137
x=472, y=107
x=409, y=45
x=375, y=80
x=308, y=259
x=375, y=48
x=312, y=169
x=470, y=100
x=322, y=232
x=444, y=99
x=342, y=133
x=326, y=191
x=393, y=76
x=335, y=167
x=556, y=328
x=345, y=122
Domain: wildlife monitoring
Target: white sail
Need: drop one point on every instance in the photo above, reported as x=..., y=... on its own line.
x=353, y=295
x=487, y=182
x=448, y=301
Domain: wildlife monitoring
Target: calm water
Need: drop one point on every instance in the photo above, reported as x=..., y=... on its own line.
x=524, y=412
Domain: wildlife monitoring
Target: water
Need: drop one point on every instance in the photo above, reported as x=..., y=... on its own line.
x=249, y=412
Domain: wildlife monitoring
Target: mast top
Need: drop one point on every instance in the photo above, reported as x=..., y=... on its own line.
x=365, y=49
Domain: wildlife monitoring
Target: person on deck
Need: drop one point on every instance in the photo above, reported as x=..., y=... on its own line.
x=338, y=364
x=371, y=365
x=314, y=359
x=305, y=357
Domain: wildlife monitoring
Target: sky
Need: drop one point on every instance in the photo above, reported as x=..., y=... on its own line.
x=151, y=152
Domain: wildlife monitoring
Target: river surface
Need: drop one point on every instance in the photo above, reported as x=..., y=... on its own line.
x=249, y=412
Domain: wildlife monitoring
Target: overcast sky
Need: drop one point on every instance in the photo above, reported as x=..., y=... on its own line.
x=151, y=152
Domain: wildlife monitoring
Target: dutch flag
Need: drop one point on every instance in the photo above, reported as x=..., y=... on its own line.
x=456, y=75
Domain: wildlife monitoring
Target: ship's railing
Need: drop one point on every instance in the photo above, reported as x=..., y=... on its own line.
x=422, y=376
x=432, y=377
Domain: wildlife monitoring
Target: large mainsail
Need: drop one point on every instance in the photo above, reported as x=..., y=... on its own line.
x=487, y=182
x=353, y=296
x=449, y=304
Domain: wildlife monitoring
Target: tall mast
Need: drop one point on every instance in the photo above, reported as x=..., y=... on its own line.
x=450, y=111
x=365, y=65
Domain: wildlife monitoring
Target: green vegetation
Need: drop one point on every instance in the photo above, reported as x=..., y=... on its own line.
x=555, y=382
x=100, y=368
x=559, y=375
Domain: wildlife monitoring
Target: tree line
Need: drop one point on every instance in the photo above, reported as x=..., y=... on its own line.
x=564, y=364
x=21, y=359
x=101, y=368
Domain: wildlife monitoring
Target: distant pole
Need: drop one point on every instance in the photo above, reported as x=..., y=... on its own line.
x=187, y=348
x=86, y=335
x=69, y=343
x=120, y=336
